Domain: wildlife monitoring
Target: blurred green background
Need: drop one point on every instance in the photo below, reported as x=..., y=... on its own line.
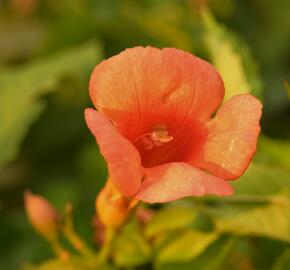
x=48, y=49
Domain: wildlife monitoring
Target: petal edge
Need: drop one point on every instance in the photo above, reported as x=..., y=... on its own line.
x=124, y=162
x=232, y=138
x=174, y=181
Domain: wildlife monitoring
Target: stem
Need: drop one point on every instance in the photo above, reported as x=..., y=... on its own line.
x=107, y=247
x=61, y=253
x=74, y=239
x=77, y=242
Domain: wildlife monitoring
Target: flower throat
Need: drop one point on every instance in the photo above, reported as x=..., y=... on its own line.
x=156, y=138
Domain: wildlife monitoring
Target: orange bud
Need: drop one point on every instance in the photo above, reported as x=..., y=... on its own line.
x=112, y=207
x=42, y=215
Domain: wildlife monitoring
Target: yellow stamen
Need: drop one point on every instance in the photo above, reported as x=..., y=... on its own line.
x=161, y=135
x=156, y=138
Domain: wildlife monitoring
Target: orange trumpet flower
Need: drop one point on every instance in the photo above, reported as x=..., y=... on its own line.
x=155, y=128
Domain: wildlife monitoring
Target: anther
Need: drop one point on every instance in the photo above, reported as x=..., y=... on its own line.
x=156, y=138
x=161, y=135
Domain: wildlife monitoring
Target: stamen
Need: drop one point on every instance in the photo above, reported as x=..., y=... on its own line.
x=160, y=134
x=156, y=138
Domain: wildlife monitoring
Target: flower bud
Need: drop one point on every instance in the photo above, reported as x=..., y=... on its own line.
x=42, y=215
x=112, y=207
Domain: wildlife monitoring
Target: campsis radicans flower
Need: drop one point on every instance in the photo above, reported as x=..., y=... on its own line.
x=162, y=128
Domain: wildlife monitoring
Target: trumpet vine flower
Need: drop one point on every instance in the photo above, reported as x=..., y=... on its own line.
x=162, y=127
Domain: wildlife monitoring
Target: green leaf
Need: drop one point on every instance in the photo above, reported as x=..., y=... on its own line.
x=260, y=206
x=272, y=220
x=170, y=218
x=283, y=261
x=185, y=246
x=231, y=57
x=130, y=247
x=21, y=89
x=211, y=259
x=263, y=179
x=274, y=151
x=74, y=263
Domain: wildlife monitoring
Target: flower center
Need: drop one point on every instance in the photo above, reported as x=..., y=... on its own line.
x=156, y=138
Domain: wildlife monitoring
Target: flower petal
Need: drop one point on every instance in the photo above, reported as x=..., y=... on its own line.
x=232, y=138
x=123, y=160
x=142, y=82
x=173, y=181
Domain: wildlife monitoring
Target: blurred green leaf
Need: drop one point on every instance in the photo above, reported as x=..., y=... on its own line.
x=211, y=259
x=165, y=31
x=74, y=263
x=260, y=206
x=21, y=88
x=283, y=261
x=263, y=179
x=130, y=247
x=185, y=246
x=272, y=220
x=231, y=57
x=20, y=39
x=215, y=255
x=171, y=218
x=274, y=151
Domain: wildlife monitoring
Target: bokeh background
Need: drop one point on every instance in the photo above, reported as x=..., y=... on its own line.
x=48, y=49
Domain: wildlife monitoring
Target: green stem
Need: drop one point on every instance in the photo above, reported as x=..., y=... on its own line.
x=74, y=239
x=62, y=253
x=107, y=247
x=77, y=242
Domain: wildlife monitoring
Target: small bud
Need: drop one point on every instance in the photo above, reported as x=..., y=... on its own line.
x=112, y=207
x=42, y=215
